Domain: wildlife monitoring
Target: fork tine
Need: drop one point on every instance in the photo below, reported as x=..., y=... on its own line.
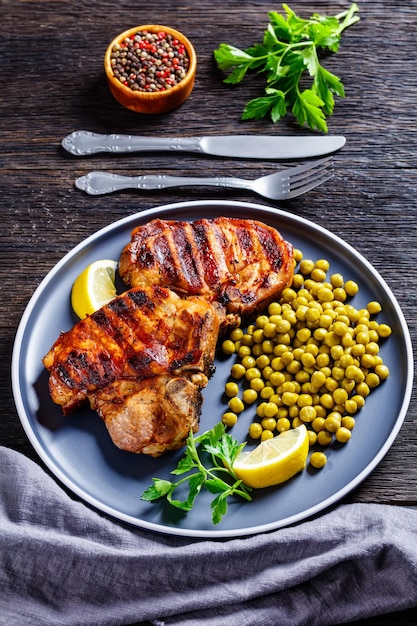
x=314, y=182
x=309, y=166
x=303, y=178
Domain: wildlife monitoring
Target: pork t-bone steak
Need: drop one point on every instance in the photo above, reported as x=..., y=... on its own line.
x=142, y=360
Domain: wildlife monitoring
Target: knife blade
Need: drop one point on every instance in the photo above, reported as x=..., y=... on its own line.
x=85, y=143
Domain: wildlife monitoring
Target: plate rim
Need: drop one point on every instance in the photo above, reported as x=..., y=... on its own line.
x=214, y=533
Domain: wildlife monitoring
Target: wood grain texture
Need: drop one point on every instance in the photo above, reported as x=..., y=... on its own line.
x=53, y=83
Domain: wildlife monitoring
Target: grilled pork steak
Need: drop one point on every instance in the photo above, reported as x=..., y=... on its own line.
x=135, y=354
x=242, y=264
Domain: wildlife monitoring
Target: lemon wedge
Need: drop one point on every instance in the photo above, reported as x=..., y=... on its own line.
x=94, y=287
x=275, y=460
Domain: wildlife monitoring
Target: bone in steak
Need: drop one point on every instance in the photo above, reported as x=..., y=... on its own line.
x=141, y=361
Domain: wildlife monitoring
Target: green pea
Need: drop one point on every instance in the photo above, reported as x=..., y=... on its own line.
x=351, y=287
x=318, y=460
x=348, y=422
x=257, y=384
x=289, y=399
x=384, y=330
x=343, y=434
x=382, y=371
x=231, y=389
x=236, y=334
x=318, y=424
x=283, y=423
x=248, y=362
x=374, y=307
x=236, y=405
x=270, y=330
x=238, y=371
x=252, y=372
x=306, y=266
x=324, y=438
x=267, y=434
x=229, y=418
x=261, y=321
x=270, y=410
x=249, y=396
x=262, y=361
x=274, y=308
x=255, y=430
x=269, y=423
x=308, y=414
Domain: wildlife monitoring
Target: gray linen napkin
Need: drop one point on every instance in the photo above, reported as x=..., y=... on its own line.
x=62, y=563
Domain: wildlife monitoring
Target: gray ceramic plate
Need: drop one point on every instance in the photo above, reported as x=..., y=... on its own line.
x=79, y=452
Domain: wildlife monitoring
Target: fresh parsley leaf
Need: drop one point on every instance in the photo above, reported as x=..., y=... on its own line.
x=207, y=463
x=229, y=56
x=310, y=59
x=257, y=108
x=195, y=483
x=219, y=507
x=291, y=48
x=159, y=489
x=308, y=108
x=324, y=35
x=216, y=485
x=279, y=108
x=185, y=464
x=280, y=27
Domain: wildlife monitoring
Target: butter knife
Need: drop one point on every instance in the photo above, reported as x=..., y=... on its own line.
x=84, y=143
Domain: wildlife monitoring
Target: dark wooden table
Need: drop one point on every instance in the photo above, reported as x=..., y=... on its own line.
x=53, y=83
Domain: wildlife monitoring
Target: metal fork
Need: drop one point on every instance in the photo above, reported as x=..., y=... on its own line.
x=289, y=183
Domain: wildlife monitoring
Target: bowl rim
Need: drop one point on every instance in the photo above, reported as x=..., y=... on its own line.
x=155, y=94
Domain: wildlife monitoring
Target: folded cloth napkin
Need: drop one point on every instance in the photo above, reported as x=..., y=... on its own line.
x=62, y=563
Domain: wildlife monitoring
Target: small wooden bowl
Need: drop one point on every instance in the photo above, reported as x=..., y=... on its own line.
x=152, y=102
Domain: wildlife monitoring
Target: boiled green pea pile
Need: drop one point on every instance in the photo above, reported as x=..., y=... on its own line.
x=311, y=359
x=150, y=62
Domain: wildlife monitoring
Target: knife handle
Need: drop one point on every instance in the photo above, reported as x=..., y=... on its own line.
x=84, y=142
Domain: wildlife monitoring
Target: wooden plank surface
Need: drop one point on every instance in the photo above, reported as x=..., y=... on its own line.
x=53, y=83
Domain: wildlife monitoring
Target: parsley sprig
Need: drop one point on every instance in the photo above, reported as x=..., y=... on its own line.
x=289, y=50
x=207, y=463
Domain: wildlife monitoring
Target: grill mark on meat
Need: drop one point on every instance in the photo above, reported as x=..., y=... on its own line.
x=142, y=364
x=140, y=298
x=79, y=372
x=272, y=252
x=182, y=239
x=144, y=256
x=65, y=376
x=77, y=364
x=127, y=314
x=188, y=359
x=245, y=240
x=211, y=258
x=106, y=321
x=115, y=320
x=163, y=253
